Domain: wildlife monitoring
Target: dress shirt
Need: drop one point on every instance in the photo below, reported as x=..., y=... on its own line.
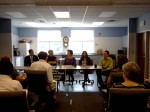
x=106, y=63
x=7, y=84
x=43, y=65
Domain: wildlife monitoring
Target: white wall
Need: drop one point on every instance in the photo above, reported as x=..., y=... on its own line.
x=15, y=40
x=110, y=43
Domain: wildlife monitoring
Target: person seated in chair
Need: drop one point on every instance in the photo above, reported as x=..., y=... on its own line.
x=22, y=78
x=6, y=81
x=51, y=59
x=121, y=59
x=85, y=59
x=28, y=60
x=106, y=63
x=44, y=66
x=70, y=60
x=131, y=76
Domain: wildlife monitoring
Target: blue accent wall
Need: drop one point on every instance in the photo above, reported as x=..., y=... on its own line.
x=5, y=25
x=15, y=30
x=132, y=25
x=66, y=31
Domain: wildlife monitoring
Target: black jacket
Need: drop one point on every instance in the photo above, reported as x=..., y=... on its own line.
x=27, y=60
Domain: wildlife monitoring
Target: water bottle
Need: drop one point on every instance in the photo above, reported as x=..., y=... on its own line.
x=60, y=63
x=83, y=63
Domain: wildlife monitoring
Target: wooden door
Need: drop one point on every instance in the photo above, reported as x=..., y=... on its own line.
x=141, y=43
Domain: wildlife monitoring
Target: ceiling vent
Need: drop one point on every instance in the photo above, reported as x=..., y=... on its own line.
x=40, y=21
x=112, y=20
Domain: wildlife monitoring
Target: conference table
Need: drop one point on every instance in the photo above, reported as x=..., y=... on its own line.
x=64, y=68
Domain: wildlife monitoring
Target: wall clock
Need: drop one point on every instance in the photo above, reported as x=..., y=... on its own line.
x=65, y=41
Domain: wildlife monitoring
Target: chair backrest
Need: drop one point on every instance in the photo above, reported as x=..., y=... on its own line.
x=128, y=100
x=37, y=81
x=115, y=77
x=14, y=101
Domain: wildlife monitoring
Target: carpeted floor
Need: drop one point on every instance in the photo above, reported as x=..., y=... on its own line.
x=79, y=102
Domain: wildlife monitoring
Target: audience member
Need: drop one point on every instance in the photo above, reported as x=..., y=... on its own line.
x=43, y=65
x=70, y=60
x=6, y=82
x=106, y=63
x=87, y=61
x=51, y=58
x=28, y=60
x=131, y=76
x=121, y=59
x=15, y=74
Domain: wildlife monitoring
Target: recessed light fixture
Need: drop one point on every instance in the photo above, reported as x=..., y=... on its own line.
x=62, y=14
x=97, y=23
x=107, y=14
x=16, y=14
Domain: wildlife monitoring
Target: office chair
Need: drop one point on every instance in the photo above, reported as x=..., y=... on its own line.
x=128, y=99
x=90, y=72
x=38, y=84
x=14, y=101
x=114, y=77
x=67, y=73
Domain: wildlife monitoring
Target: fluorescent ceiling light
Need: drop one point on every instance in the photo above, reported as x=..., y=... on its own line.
x=16, y=14
x=62, y=14
x=107, y=14
x=98, y=23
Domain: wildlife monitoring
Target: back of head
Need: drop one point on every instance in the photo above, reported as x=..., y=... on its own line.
x=5, y=58
x=121, y=59
x=6, y=67
x=131, y=71
x=42, y=55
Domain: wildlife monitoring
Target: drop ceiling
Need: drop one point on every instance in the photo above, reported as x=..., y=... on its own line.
x=82, y=12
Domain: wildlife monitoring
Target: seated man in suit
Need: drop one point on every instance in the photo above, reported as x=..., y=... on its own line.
x=28, y=60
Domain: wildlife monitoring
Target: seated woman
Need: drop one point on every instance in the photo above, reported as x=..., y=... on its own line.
x=116, y=74
x=131, y=76
x=70, y=60
x=87, y=61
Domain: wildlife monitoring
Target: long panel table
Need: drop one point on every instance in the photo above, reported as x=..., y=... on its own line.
x=64, y=67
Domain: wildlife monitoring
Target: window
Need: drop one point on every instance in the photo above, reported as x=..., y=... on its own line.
x=49, y=40
x=81, y=40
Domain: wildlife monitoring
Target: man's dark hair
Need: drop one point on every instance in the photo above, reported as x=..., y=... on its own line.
x=42, y=55
x=30, y=50
x=6, y=67
x=107, y=52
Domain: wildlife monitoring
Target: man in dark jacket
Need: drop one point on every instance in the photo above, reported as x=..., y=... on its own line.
x=30, y=58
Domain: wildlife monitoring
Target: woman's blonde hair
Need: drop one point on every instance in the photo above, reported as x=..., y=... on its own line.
x=131, y=71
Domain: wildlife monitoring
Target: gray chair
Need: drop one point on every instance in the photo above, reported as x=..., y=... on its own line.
x=14, y=101
x=90, y=72
x=128, y=99
x=38, y=84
